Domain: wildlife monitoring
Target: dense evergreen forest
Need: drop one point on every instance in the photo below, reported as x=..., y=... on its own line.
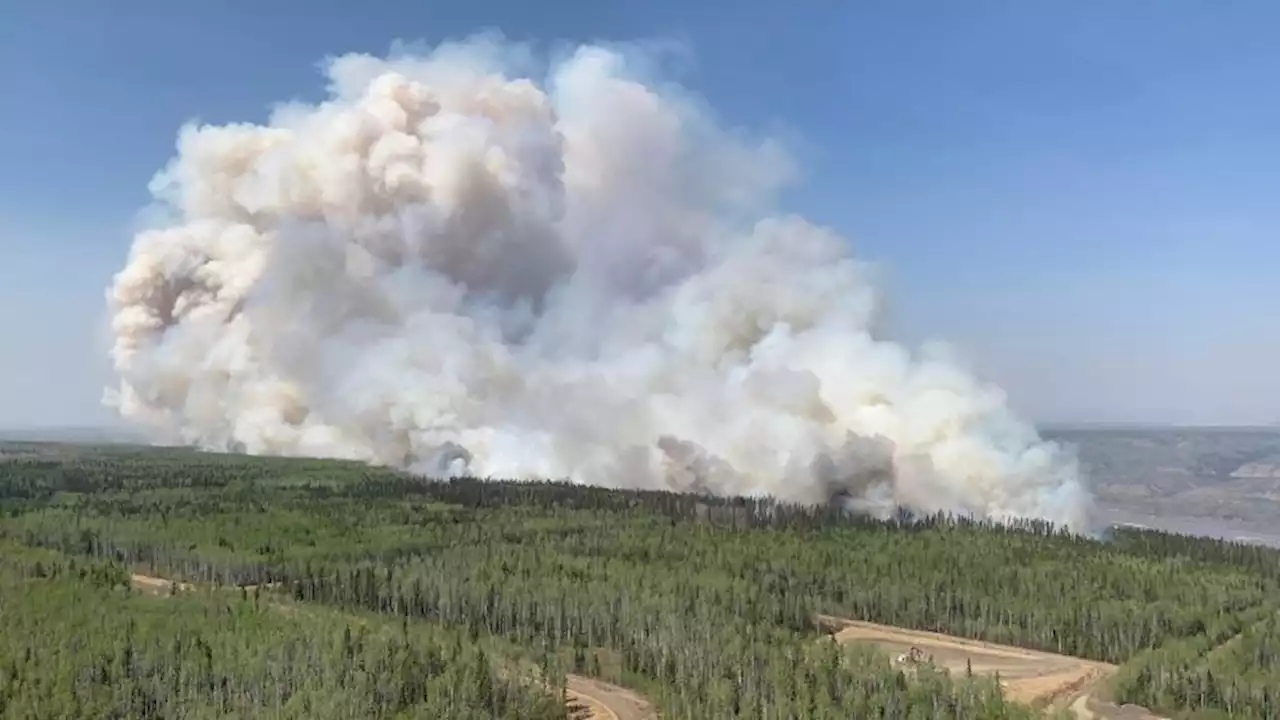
x=375, y=594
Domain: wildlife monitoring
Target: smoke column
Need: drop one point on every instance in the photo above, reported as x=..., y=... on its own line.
x=449, y=268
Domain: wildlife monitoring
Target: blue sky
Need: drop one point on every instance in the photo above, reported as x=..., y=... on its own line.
x=1080, y=195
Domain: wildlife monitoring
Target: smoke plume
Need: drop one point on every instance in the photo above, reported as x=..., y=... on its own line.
x=450, y=268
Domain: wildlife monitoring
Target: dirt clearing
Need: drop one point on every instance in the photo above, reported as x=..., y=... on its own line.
x=1041, y=679
x=157, y=586
x=590, y=699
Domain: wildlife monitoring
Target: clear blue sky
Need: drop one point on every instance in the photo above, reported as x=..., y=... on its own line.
x=1080, y=194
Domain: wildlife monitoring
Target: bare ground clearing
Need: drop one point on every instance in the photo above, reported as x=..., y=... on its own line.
x=1041, y=679
x=156, y=585
x=603, y=701
x=587, y=698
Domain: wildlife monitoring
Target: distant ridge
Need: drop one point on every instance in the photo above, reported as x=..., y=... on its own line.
x=1151, y=426
x=74, y=434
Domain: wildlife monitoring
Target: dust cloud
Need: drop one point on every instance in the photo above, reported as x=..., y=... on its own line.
x=448, y=267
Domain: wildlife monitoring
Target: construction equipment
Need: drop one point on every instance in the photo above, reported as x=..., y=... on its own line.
x=913, y=656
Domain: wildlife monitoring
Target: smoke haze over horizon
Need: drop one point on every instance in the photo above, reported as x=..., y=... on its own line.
x=460, y=264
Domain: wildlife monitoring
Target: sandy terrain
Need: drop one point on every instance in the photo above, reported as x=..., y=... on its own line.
x=596, y=700
x=156, y=585
x=1037, y=678
x=587, y=698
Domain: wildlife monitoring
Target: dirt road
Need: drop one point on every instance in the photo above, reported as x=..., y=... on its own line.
x=591, y=699
x=157, y=586
x=1037, y=678
x=587, y=698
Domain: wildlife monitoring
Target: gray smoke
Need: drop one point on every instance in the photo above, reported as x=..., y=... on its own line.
x=452, y=269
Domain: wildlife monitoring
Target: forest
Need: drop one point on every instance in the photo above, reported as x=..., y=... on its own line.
x=327, y=589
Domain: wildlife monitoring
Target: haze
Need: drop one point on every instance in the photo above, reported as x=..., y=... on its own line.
x=1079, y=200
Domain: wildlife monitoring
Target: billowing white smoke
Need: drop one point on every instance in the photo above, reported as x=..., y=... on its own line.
x=447, y=269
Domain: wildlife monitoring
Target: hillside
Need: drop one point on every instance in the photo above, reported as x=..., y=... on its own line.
x=1212, y=481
